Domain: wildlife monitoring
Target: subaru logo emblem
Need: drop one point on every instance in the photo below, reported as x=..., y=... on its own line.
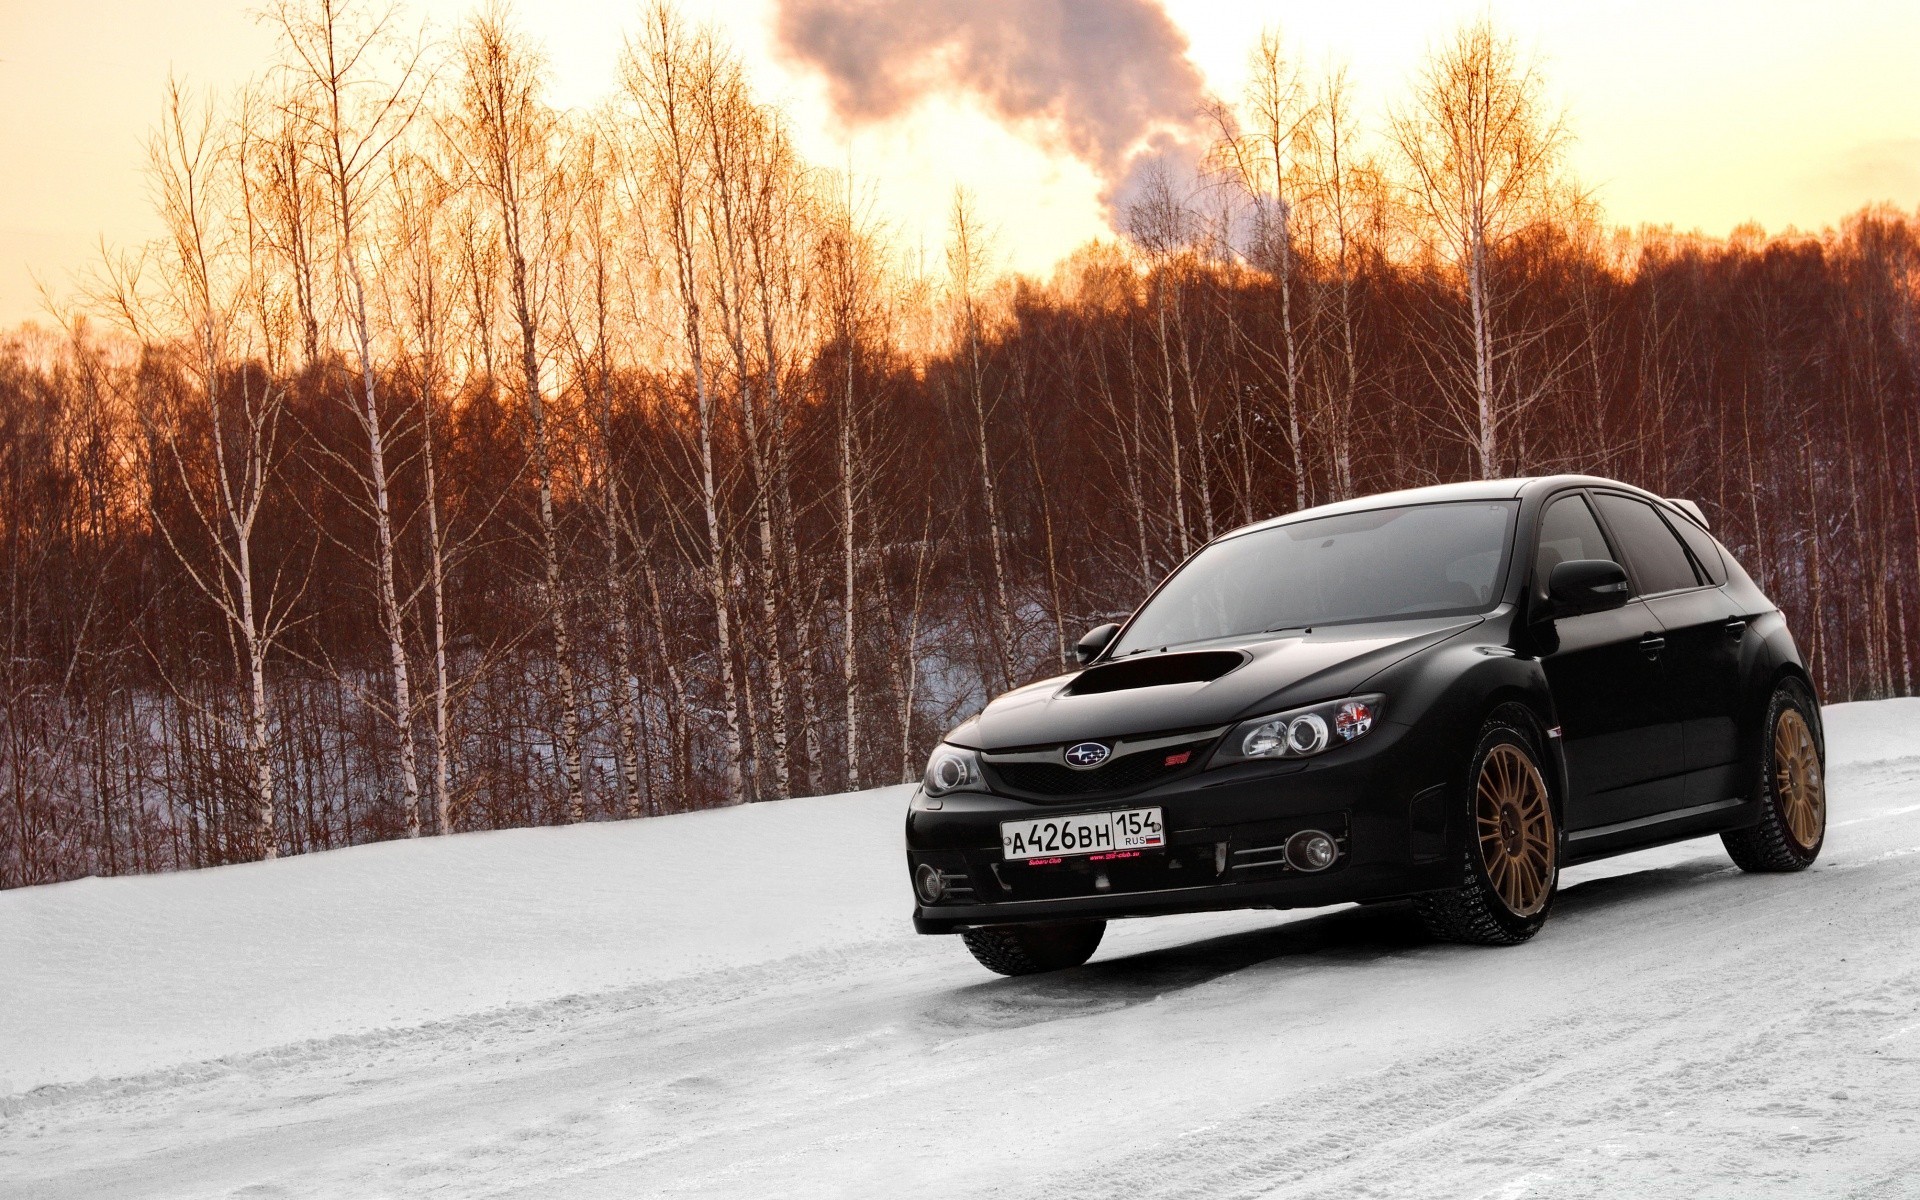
x=1086, y=755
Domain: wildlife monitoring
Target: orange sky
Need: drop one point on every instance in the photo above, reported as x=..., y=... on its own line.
x=1698, y=114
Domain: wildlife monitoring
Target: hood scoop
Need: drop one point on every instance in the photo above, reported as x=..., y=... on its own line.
x=1155, y=671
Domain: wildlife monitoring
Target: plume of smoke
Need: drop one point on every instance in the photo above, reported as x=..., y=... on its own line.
x=1108, y=81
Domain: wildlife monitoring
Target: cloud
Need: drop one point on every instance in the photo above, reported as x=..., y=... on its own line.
x=1107, y=81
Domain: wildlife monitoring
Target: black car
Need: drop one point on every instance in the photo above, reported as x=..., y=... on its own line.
x=1444, y=695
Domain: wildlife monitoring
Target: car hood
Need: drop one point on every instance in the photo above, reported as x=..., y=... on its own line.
x=1194, y=687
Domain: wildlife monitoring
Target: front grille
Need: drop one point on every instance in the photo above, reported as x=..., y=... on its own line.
x=1121, y=773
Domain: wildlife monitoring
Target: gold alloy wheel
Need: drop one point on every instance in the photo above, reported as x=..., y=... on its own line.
x=1796, y=780
x=1516, y=829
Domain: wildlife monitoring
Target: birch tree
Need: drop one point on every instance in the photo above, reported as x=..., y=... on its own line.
x=661, y=72
x=418, y=300
x=847, y=276
x=966, y=262
x=1261, y=148
x=736, y=221
x=512, y=143
x=1482, y=152
x=590, y=330
x=204, y=277
x=356, y=89
x=1343, y=189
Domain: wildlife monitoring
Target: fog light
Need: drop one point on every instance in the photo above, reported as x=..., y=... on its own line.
x=1311, y=850
x=928, y=883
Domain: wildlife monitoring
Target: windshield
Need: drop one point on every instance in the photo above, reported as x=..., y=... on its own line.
x=1419, y=561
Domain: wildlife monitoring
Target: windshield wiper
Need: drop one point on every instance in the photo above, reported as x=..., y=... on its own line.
x=1286, y=628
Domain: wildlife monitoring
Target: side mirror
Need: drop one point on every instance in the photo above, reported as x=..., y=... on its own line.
x=1098, y=638
x=1586, y=585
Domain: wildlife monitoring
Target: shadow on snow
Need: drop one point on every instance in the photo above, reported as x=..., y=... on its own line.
x=1353, y=936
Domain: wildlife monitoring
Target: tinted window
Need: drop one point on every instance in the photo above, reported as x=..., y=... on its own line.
x=1705, y=552
x=1654, y=555
x=1567, y=532
x=1422, y=560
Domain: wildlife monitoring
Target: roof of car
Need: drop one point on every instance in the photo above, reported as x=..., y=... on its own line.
x=1476, y=489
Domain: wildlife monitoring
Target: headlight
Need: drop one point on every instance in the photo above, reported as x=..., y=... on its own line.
x=1302, y=732
x=953, y=769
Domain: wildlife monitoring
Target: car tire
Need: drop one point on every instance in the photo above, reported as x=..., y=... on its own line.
x=1510, y=859
x=1031, y=949
x=1792, y=786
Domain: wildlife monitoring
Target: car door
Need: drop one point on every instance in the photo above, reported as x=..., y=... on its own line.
x=1620, y=736
x=1702, y=651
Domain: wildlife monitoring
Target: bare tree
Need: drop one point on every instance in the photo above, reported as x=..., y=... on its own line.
x=1261, y=147
x=591, y=335
x=205, y=278
x=1483, y=155
x=355, y=106
x=1344, y=187
x=511, y=140
x=745, y=160
x=967, y=251
x=848, y=285
x=662, y=71
x=417, y=295
x=1161, y=225
x=291, y=205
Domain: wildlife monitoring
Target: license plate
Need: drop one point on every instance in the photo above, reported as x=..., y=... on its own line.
x=1082, y=833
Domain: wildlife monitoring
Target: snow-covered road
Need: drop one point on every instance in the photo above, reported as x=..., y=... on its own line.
x=527, y=1025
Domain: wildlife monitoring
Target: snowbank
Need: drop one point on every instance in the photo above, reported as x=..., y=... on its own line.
x=1872, y=731
x=112, y=977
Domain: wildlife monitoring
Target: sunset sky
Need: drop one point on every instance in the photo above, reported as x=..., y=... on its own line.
x=1696, y=114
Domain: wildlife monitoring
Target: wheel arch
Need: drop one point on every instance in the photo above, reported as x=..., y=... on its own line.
x=1784, y=671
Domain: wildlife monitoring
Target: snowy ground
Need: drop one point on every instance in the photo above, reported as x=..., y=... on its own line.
x=732, y=1004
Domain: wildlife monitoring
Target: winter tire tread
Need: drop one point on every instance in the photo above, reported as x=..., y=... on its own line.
x=1768, y=848
x=1032, y=949
x=1471, y=912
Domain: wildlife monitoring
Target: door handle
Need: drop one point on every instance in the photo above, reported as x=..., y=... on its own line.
x=1652, y=645
x=1735, y=628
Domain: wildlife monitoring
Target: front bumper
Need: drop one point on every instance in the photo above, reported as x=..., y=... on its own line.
x=1384, y=799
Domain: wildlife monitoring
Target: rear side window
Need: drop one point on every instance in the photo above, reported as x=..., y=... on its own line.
x=1567, y=532
x=1658, y=562
x=1705, y=552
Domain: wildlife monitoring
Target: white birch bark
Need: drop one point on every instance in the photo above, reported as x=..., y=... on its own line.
x=660, y=74
x=1482, y=155
x=964, y=255
x=513, y=132
x=205, y=286
x=353, y=119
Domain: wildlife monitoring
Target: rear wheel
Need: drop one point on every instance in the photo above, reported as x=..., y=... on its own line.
x=1793, y=789
x=1031, y=949
x=1510, y=865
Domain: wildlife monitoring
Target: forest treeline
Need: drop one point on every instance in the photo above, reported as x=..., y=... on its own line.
x=457, y=463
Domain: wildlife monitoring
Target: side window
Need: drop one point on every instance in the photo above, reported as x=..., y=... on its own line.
x=1567, y=532
x=1658, y=562
x=1705, y=552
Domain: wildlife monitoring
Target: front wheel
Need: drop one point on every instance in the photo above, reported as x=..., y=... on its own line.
x=1510, y=865
x=1793, y=789
x=1031, y=949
